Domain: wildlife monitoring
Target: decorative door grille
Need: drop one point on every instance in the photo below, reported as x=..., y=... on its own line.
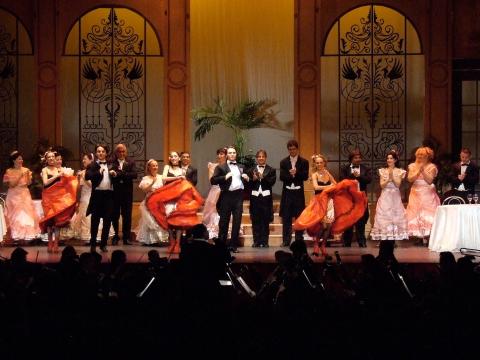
x=372, y=46
x=14, y=44
x=114, y=47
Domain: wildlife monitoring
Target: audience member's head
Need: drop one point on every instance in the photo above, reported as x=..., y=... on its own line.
x=119, y=258
x=69, y=254
x=298, y=248
x=197, y=232
x=18, y=257
x=447, y=262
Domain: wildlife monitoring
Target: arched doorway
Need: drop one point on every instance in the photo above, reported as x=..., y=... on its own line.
x=16, y=84
x=112, y=84
x=373, y=86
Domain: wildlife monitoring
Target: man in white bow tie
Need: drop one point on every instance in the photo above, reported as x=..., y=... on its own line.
x=464, y=175
x=231, y=178
x=263, y=177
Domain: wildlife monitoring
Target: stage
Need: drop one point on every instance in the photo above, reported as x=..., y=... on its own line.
x=405, y=252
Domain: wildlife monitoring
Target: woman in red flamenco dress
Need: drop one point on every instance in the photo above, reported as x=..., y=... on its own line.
x=186, y=201
x=59, y=198
x=349, y=205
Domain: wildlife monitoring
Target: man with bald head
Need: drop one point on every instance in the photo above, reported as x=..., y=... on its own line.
x=125, y=174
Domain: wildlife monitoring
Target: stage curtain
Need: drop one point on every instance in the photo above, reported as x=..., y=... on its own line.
x=242, y=49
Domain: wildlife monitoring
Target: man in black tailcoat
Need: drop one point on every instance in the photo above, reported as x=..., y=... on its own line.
x=262, y=177
x=355, y=170
x=100, y=173
x=125, y=174
x=293, y=172
x=464, y=175
x=231, y=178
x=189, y=171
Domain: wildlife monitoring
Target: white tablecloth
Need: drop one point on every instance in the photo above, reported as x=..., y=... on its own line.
x=455, y=227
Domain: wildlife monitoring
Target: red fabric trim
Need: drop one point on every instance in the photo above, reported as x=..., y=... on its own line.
x=349, y=204
x=58, y=202
x=188, y=201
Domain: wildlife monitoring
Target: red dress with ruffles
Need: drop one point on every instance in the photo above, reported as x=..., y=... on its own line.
x=188, y=200
x=349, y=204
x=58, y=202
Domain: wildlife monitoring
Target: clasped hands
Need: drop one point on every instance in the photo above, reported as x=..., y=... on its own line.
x=244, y=176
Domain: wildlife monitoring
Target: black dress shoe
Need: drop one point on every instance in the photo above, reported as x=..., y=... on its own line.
x=127, y=242
x=233, y=249
x=362, y=245
x=115, y=240
x=285, y=245
x=256, y=245
x=264, y=245
x=103, y=249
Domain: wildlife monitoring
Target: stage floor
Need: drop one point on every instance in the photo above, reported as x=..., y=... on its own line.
x=405, y=252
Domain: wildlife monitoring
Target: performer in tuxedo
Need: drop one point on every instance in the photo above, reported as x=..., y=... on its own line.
x=189, y=171
x=355, y=170
x=100, y=173
x=262, y=177
x=125, y=174
x=230, y=177
x=293, y=172
x=464, y=176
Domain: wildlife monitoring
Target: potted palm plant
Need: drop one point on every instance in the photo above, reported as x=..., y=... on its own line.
x=246, y=115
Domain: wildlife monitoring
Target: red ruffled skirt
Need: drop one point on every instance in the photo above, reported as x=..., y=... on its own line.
x=187, y=200
x=348, y=202
x=58, y=202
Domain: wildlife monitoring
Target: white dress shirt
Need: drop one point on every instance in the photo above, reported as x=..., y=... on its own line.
x=236, y=177
x=105, y=184
x=121, y=162
x=260, y=191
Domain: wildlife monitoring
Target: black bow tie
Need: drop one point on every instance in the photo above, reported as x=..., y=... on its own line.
x=102, y=162
x=261, y=166
x=355, y=166
x=464, y=165
x=233, y=163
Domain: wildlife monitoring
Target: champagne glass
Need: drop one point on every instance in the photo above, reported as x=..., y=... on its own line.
x=469, y=198
x=475, y=198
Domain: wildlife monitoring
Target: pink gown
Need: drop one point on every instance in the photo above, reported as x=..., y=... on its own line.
x=390, y=220
x=210, y=214
x=422, y=204
x=22, y=219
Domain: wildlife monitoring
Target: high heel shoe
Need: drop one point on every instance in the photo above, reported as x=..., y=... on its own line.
x=176, y=249
x=171, y=246
x=316, y=248
x=55, y=248
x=324, y=249
x=50, y=246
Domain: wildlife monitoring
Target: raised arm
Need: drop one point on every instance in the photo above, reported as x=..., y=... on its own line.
x=429, y=173
x=413, y=172
x=46, y=181
x=218, y=177
x=146, y=184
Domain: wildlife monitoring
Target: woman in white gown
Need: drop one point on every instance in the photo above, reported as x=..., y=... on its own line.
x=390, y=219
x=149, y=232
x=210, y=214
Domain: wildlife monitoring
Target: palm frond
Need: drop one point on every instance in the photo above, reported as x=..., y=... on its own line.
x=248, y=114
x=206, y=118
